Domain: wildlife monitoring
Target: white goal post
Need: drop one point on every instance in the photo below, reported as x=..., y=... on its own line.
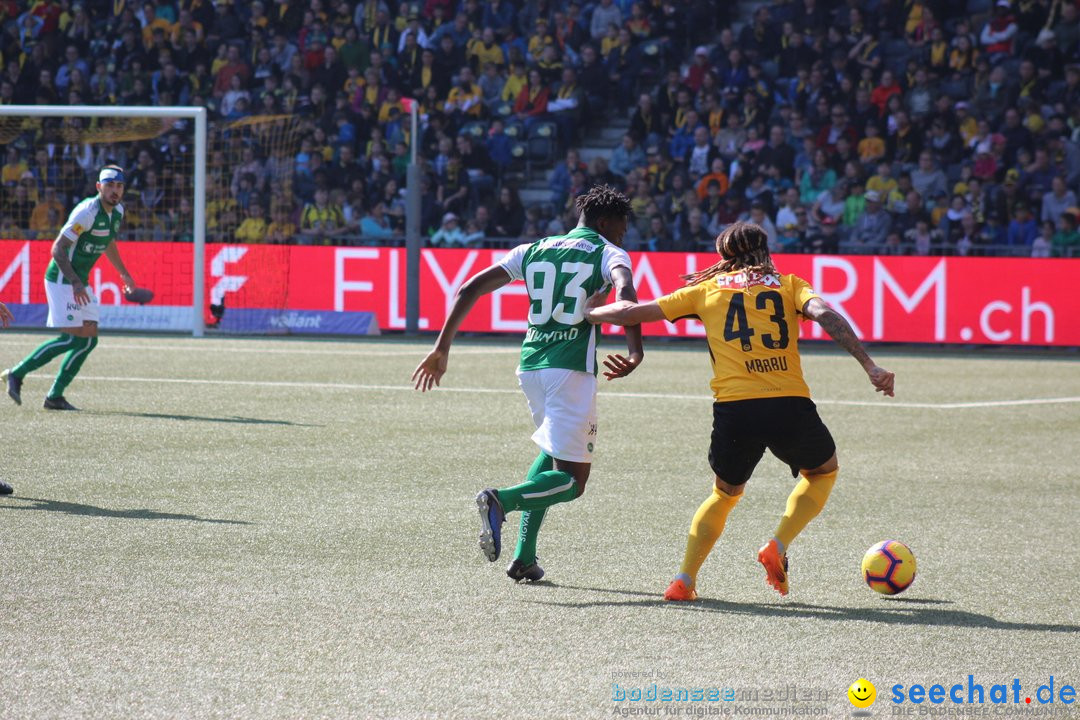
x=196, y=114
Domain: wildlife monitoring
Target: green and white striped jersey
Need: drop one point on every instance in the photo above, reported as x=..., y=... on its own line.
x=560, y=273
x=92, y=230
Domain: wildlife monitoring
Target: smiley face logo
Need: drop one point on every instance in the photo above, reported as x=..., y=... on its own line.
x=862, y=693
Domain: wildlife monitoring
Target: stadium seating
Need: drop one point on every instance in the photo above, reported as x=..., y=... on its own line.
x=340, y=75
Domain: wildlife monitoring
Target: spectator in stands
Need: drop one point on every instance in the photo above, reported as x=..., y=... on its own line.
x=508, y=218
x=375, y=226
x=531, y=104
x=627, y=156
x=1023, y=229
x=927, y=179
x=1042, y=246
x=254, y=227
x=320, y=220
x=19, y=206
x=453, y=191
x=997, y=35
x=233, y=66
x=606, y=14
x=817, y=179
x=872, y=227
x=449, y=233
x=281, y=229
x=698, y=159
x=1057, y=201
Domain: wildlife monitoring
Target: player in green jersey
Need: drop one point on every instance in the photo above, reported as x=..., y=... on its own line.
x=557, y=370
x=5, y=320
x=89, y=233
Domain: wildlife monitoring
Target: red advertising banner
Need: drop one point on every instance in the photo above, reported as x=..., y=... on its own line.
x=892, y=299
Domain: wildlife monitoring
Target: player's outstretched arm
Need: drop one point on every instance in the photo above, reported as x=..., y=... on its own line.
x=113, y=254
x=621, y=312
x=6, y=317
x=839, y=330
x=431, y=369
x=622, y=365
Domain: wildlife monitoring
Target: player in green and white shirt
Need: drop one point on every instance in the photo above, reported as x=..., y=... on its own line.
x=89, y=233
x=557, y=371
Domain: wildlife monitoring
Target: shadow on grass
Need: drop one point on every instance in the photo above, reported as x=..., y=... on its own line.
x=906, y=611
x=197, y=418
x=69, y=508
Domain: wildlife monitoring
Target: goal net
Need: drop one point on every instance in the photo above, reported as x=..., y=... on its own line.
x=51, y=159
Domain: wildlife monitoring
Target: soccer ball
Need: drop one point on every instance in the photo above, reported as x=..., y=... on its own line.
x=889, y=567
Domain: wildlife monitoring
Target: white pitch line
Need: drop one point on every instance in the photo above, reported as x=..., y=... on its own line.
x=884, y=403
x=359, y=352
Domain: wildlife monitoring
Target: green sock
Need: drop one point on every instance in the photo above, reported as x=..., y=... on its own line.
x=73, y=362
x=542, y=463
x=529, y=531
x=540, y=491
x=528, y=535
x=44, y=352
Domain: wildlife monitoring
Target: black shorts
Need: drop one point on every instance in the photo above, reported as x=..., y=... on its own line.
x=788, y=426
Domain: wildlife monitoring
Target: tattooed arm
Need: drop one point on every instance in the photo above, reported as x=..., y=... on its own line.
x=839, y=330
x=60, y=255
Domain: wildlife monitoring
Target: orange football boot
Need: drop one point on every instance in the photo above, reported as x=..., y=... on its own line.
x=775, y=567
x=679, y=591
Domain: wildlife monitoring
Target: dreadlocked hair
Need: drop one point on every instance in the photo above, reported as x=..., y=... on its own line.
x=602, y=201
x=741, y=246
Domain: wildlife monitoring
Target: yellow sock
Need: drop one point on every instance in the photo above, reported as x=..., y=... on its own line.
x=803, y=505
x=705, y=528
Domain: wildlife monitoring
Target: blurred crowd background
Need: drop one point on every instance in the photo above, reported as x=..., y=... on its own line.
x=877, y=126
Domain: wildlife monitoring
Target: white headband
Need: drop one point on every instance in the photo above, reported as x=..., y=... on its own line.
x=111, y=174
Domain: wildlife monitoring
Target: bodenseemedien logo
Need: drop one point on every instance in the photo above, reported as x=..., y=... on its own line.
x=862, y=694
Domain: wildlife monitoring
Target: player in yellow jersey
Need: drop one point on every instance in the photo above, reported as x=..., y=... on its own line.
x=751, y=315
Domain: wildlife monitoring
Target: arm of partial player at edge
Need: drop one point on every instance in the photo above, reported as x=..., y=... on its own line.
x=626, y=313
x=625, y=291
x=113, y=253
x=60, y=255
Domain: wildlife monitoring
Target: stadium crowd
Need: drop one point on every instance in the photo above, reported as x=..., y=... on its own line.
x=883, y=126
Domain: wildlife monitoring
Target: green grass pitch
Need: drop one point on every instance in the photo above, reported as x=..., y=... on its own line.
x=283, y=529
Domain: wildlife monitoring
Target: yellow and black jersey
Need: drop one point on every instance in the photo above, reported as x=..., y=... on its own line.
x=752, y=326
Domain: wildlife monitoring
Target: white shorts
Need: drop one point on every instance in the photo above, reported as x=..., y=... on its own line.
x=563, y=407
x=64, y=312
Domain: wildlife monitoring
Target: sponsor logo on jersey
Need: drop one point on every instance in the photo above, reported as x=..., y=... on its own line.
x=78, y=229
x=742, y=279
x=72, y=306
